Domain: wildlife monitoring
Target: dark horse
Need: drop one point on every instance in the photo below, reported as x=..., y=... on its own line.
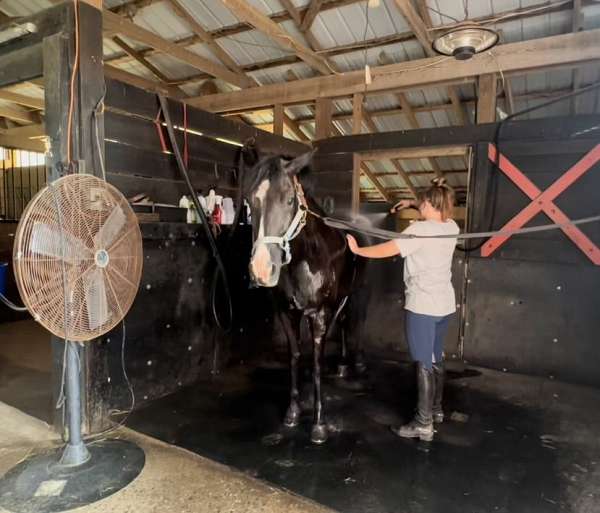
x=306, y=262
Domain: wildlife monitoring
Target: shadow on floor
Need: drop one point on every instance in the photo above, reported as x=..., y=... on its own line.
x=25, y=368
x=507, y=452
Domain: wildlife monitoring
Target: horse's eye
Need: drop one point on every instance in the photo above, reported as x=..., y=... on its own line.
x=291, y=201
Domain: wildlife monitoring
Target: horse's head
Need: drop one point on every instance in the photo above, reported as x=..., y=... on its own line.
x=276, y=208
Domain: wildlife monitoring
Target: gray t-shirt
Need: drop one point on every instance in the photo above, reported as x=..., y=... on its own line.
x=428, y=268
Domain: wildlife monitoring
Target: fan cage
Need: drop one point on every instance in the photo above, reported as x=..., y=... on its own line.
x=78, y=257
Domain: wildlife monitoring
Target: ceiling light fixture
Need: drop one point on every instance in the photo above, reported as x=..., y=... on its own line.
x=465, y=40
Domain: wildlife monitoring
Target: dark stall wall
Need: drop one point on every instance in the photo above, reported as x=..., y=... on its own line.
x=533, y=304
x=171, y=337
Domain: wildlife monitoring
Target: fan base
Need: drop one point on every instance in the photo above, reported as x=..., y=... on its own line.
x=41, y=485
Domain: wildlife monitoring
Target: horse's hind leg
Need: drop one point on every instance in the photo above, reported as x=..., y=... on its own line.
x=292, y=416
x=319, y=327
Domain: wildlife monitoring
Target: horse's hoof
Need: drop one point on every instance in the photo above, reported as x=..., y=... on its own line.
x=292, y=416
x=342, y=371
x=319, y=434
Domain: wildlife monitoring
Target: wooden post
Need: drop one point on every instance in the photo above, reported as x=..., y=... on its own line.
x=86, y=149
x=357, y=112
x=278, y=119
x=323, y=118
x=357, y=163
x=486, y=98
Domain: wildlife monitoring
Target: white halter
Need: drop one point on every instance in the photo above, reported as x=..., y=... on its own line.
x=293, y=230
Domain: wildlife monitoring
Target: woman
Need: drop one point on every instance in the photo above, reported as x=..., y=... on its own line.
x=430, y=298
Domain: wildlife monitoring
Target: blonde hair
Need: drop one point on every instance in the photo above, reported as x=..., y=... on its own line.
x=441, y=197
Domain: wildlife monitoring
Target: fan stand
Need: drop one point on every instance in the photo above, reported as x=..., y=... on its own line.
x=52, y=481
x=75, y=453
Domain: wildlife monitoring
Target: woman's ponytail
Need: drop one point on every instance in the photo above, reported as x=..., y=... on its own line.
x=441, y=197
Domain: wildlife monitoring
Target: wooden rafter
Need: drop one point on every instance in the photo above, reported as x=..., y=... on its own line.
x=524, y=13
x=309, y=16
x=20, y=99
x=523, y=57
x=142, y=83
x=421, y=30
x=380, y=188
x=204, y=36
x=264, y=24
x=134, y=54
x=19, y=114
x=117, y=24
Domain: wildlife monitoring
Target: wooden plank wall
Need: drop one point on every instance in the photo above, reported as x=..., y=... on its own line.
x=135, y=161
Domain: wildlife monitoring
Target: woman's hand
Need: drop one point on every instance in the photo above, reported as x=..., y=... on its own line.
x=401, y=205
x=352, y=244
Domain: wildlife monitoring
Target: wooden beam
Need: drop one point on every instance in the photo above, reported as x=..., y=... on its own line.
x=19, y=99
x=205, y=36
x=134, y=54
x=278, y=119
x=416, y=153
x=424, y=12
x=514, y=58
x=356, y=168
x=18, y=114
x=404, y=175
x=244, y=11
x=416, y=24
x=25, y=132
x=516, y=14
x=357, y=112
x=142, y=83
x=323, y=118
x=380, y=189
x=310, y=15
x=10, y=141
x=487, y=91
x=117, y=24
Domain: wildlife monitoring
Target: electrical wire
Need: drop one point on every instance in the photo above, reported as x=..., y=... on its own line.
x=12, y=305
x=99, y=111
x=72, y=85
x=96, y=436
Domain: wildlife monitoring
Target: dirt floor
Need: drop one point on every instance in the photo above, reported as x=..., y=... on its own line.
x=173, y=480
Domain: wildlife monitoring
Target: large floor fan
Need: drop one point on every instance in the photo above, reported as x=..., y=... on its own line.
x=78, y=263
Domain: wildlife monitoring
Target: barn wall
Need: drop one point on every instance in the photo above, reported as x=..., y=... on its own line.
x=170, y=333
x=532, y=306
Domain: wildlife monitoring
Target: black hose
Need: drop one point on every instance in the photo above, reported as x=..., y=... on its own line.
x=493, y=192
x=220, y=272
x=12, y=305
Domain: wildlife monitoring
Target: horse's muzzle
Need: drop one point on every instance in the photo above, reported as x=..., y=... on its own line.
x=263, y=271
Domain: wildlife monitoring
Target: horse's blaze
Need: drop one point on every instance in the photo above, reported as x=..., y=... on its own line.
x=261, y=266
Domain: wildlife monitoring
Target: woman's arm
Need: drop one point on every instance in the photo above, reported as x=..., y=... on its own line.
x=402, y=204
x=384, y=250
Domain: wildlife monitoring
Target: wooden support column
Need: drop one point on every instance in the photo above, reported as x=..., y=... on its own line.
x=86, y=147
x=486, y=98
x=278, y=119
x=323, y=116
x=356, y=168
x=357, y=112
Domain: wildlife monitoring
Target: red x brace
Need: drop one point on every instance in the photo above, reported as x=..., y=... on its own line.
x=543, y=202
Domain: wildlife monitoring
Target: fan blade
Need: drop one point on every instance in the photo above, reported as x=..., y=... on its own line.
x=50, y=241
x=95, y=298
x=110, y=229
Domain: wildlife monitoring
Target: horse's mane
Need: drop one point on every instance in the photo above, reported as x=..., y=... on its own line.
x=268, y=167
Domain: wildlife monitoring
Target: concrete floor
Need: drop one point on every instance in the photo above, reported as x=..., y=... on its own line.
x=173, y=480
x=25, y=366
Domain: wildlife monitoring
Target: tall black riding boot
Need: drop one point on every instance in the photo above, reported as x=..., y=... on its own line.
x=422, y=425
x=438, y=392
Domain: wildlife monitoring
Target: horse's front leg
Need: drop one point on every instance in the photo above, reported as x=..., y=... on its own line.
x=292, y=332
x=319, y=327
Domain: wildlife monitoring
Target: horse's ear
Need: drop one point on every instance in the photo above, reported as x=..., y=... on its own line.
x=293, y=167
